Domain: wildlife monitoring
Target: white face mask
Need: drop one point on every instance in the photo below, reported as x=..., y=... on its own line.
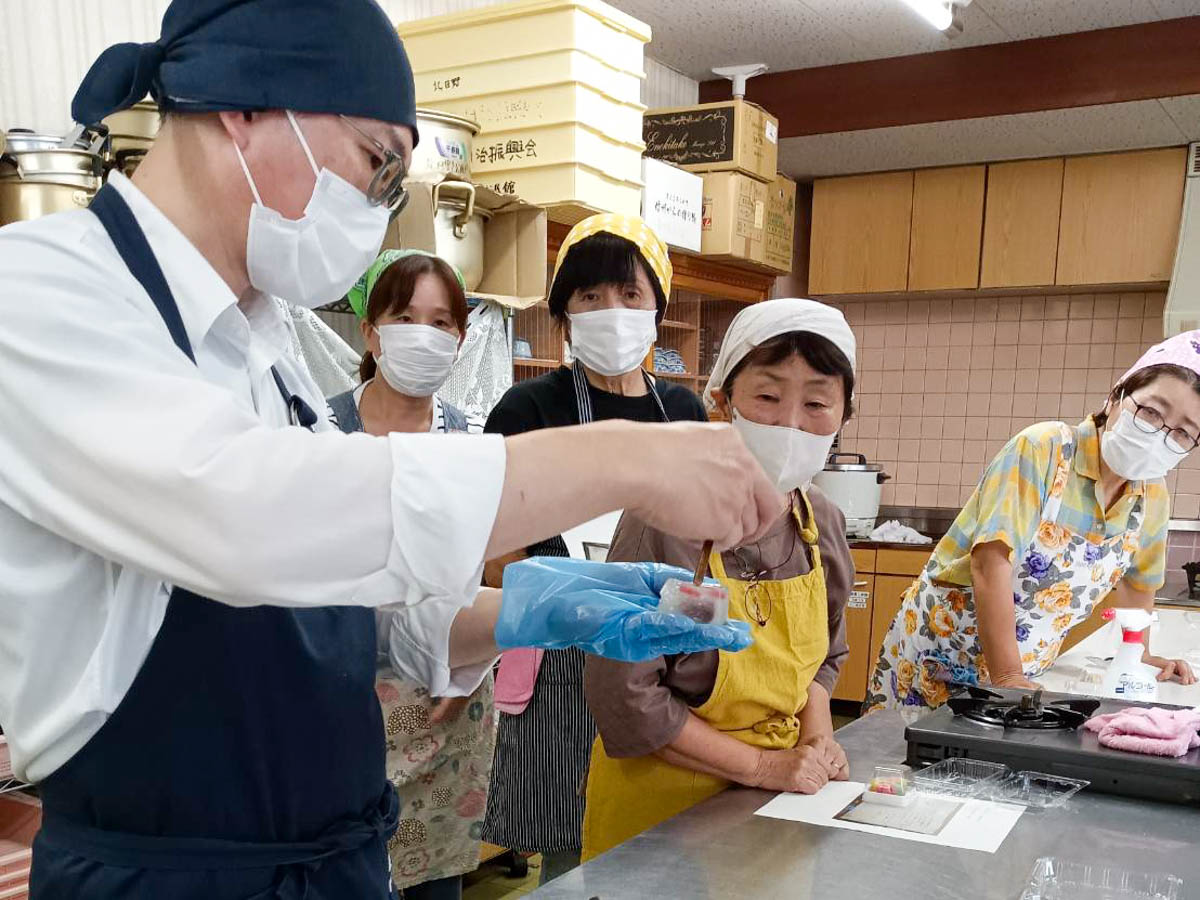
x=1133, y=454
x=612, y=341
x=789, y=456
x=415, y=359
x=315, y=259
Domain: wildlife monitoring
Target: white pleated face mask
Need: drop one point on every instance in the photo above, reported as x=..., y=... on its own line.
x=789, y=456
x=613, y=341
x=415, y=359
x=315, y=259
x=1134, y=454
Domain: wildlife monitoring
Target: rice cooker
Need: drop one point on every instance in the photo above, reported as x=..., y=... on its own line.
x=854, y=485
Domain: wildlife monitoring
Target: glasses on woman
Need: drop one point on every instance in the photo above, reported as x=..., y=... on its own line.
x=1149, y=420
x=387, y=185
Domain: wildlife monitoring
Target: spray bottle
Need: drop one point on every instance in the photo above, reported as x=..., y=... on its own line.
x=1128, y=678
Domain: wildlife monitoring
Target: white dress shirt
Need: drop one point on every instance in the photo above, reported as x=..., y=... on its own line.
x=125, y=469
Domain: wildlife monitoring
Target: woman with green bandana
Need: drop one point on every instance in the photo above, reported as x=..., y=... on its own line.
x=413, y=314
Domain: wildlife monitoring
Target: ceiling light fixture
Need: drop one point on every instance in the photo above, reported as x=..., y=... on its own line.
x=938, y=13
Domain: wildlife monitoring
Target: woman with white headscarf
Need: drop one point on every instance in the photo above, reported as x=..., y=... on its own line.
x=678, y=729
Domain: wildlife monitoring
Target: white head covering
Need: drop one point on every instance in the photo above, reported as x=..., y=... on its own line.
x=762, y=321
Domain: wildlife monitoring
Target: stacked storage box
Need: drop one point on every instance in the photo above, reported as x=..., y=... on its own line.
x=555, y=86
x=749, y=209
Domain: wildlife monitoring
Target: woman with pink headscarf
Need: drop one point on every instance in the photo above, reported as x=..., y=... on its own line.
x=1062, y=517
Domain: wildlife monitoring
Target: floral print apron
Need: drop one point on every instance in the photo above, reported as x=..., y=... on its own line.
x=441, y=773
x=1057, y=580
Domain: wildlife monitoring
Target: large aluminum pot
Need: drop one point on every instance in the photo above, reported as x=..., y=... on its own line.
x=134, y=128
x=40, y=174
x=447, y=142
x=24, y=200
x=855, y=488
x=458, y=229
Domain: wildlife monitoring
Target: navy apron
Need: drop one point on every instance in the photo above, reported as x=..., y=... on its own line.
x=246, y=762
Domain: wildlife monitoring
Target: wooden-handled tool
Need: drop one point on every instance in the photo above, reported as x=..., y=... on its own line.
x=702, y=563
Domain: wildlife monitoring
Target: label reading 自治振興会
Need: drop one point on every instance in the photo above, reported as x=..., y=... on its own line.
x=858, y=600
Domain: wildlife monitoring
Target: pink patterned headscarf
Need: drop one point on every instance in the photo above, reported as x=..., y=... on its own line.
x=1181, y=350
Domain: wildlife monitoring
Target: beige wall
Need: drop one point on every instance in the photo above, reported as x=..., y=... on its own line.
x=944, y=383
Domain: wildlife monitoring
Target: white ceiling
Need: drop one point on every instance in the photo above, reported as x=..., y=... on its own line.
x=1087, y=129
x=695, y=35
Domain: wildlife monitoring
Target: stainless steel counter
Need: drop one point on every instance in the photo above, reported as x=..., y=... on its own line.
x=720, y=849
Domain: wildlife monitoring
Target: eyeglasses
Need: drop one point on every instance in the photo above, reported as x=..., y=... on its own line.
x=1149, y=420
x=387, y=184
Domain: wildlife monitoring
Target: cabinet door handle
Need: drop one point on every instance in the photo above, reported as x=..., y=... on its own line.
x=861, y=583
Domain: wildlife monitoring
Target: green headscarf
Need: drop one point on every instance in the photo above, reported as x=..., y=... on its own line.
x=361, y=292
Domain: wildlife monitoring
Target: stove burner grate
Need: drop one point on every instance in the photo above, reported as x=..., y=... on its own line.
x=1027, y=713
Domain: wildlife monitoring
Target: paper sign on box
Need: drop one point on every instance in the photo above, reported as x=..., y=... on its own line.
x=673, y=203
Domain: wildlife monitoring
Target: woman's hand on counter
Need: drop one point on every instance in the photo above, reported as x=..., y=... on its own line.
x=838, y=766
x=801, y=770
x=1172, y=669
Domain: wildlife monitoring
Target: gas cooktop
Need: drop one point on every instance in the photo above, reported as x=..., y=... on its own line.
x=1042, y=732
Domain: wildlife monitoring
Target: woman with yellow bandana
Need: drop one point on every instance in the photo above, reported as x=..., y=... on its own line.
x=610, y=289
x=1062, y=517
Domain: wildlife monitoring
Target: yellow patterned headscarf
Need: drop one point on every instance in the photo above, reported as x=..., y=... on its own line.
x=653, y=250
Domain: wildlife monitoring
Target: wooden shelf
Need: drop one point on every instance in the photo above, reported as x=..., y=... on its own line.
x=673, y=325
x=536, y=363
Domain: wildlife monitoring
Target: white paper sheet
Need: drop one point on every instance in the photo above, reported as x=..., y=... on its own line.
x=979, y=825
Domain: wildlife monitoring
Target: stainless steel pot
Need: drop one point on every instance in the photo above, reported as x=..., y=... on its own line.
x=134, y=128
x=75, y=158
x=41, y=174
x=458, y=226
x=855, y=488
x=447, y=142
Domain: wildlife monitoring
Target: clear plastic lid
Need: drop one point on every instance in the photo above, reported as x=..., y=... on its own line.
x=1035, y=790
x=1058, y=879
x=960, y=777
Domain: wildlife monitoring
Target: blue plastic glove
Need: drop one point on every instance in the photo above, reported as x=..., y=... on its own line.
x=606, y=609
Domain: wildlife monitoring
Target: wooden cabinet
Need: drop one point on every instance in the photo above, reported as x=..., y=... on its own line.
x=889, y=593
x=1120, y=217
x=860, y=233
x=1020, y=227
x=881, y=578
x=947, y=220
x=852, y=683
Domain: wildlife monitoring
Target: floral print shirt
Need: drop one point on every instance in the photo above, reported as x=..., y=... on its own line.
x=1007, y=503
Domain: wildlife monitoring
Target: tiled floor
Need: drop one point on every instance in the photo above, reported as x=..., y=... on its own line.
x=491, y=882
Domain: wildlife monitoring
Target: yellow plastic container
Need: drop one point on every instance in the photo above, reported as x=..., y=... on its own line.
x=569, y=192
x=450, y=82
x=553, y=104
x=524, y=28
x=552, y=145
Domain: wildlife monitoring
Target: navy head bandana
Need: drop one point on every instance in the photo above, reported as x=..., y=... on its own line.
x=315, y=56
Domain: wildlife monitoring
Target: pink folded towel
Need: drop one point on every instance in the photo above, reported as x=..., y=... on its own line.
x=515, y=680
x=1158, y=732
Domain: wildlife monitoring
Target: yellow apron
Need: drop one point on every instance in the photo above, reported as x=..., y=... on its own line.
x=756, y=698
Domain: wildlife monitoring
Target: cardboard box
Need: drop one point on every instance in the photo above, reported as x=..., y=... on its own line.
x=734, y=136
x=514, y=242
x=781, y=224
x=673, y=203
x=734, y=221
